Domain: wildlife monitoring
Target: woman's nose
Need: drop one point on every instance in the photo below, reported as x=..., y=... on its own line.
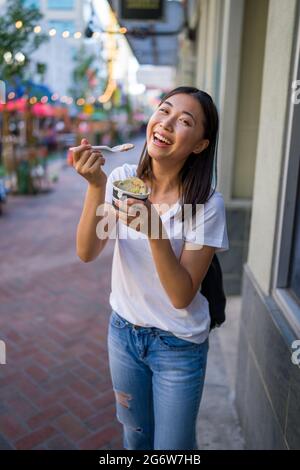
x=167, y=123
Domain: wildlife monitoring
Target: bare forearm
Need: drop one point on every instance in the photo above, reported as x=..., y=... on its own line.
x=88, y=244
x=173, y=276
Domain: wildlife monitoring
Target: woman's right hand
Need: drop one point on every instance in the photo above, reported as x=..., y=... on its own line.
x=88, y=162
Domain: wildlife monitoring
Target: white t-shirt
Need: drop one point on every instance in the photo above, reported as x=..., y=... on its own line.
x=137, y=293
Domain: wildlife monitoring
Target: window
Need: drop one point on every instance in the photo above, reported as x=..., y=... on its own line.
x=294, y=274
x=286, y=285
x=31, y=3
x=61, y=4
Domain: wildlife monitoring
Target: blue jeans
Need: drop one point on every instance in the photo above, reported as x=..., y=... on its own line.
x=158, y=382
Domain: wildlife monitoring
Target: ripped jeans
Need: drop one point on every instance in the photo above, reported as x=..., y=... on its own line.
x=158, y=382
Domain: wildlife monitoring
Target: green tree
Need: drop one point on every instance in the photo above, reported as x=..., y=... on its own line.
x=15, y=40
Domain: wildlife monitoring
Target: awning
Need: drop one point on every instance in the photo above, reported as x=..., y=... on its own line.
x=43, y=110
x=14, y=105
x=154, y=42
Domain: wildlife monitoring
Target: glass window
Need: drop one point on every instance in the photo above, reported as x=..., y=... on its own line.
x=294, y=274
x=31, y=3
x=60, y=4
x=287, y=265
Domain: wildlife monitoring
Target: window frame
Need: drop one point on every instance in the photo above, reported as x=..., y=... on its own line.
x=282, y=294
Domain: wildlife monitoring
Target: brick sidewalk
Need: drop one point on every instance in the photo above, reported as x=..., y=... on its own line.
x=55, y=389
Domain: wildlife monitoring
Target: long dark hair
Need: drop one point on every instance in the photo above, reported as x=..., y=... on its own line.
x=197, y=173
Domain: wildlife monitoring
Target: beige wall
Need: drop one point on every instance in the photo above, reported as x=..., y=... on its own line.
x=252, y=56
x=276, y=91
x=232, y=15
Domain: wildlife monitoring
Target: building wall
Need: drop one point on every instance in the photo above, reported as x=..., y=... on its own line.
x=271, y=140
x=57, y=53
x=230, y=54
x=243, y=54
x=268, y=383
x=253, y=93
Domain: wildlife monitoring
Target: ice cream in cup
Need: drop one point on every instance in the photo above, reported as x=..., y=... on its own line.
x=132, y=187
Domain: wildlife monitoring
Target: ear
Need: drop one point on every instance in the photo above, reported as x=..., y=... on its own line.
x=201, y=146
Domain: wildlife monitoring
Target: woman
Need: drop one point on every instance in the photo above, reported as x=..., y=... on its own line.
x=159, y=324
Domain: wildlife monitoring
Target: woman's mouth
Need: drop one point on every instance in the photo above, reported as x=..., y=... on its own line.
x=160, y=141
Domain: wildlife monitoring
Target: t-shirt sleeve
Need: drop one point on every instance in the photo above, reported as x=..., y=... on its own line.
x=119, y=173
x=208, y=226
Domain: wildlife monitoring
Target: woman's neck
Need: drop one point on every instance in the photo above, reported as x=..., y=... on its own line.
x=164, y=182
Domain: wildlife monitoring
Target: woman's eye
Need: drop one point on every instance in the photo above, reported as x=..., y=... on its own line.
x=185, y=122
x=163, y=110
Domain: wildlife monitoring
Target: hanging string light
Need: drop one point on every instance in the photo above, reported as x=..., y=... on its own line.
x=113, y=29
x=8, y=57
x=78, y=34
x=80, y=102
x=20, y=57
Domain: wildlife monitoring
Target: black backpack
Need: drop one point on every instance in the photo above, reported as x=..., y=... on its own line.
x=212, y=288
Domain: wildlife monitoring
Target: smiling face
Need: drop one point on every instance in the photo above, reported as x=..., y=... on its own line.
x=176, y=129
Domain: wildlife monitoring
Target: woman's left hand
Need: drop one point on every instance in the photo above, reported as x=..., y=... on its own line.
x=140, y=216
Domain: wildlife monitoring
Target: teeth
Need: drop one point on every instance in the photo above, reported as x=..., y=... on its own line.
x=160, y=137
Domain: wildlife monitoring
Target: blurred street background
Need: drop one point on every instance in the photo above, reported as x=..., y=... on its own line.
x=97, y=69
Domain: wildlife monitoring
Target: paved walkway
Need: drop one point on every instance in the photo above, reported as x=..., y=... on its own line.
x=218, y=426
x=55, y=390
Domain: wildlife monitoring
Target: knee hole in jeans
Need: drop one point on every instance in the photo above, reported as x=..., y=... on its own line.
x=123, y=398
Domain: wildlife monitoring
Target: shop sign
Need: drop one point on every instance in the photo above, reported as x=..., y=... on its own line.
x=141, y=10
